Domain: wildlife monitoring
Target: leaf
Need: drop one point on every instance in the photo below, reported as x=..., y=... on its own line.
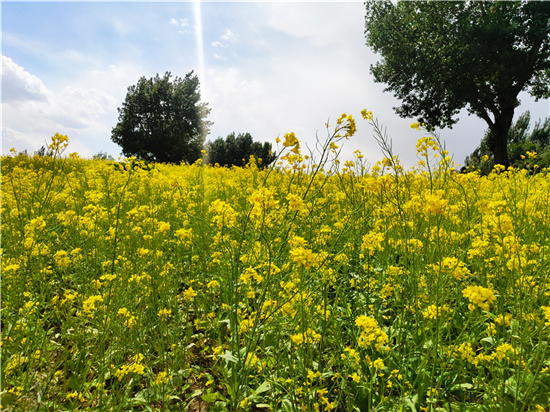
x=409, y=402
x=139, y=399
x=75, y=383
x=211, y=397
x=462, y=386
x=229, y=356
x=264, y=387
x=196, y=393
x=7, y=399
x=286, y=405
x=263, y=405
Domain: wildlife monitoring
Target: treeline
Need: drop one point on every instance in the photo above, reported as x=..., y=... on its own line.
x=236, y=151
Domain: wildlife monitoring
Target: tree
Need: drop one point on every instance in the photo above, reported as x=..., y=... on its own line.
x=102, y=156
x=163, y=121
x=236, y=151
x=439, y=57
x=520, y=141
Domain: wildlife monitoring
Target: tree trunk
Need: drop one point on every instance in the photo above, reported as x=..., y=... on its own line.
x=498, y=138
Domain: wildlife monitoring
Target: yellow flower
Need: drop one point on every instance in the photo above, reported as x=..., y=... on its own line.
x=305, y=257
x=371, y=332
x=372, y=241
x=310, y=336
x=378, y=364
x=295, y=202
x=417, y=126
x=162, y=377
x=136, y=367
x=189, y=294
x=434, y=311
x=366, y=115
x=434, y=203
x=480, y=296
x=164, y=314
x=312, y=375
x=213, y=284
x=88, y=306
x=62, y=259
x=224, y=214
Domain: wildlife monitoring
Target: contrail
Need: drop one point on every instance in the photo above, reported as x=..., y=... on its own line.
x=200, y=49
x=198, y=33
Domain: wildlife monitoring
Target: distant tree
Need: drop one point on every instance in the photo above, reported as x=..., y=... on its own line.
x=236, y=151
x=441, y=56
x=163, y=120
x=520, y=141
x=43, y=152
x=102, y=156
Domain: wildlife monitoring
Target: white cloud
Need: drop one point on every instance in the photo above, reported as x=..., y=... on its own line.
x=19, y=85
x=321, y=23
x=180, y=23
x=32, y=112
x=217, y=56
x=12, y=139
x=229, y=35
x=217, y=44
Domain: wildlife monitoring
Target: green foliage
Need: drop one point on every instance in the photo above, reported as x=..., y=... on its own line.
x=520, y=141
x=163, y=120
x=236, y=151
x=439, y=57
x=102, y=156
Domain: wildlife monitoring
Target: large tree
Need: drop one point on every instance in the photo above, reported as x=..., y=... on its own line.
x=163, y=120
x=520, y=141
x=439, y=57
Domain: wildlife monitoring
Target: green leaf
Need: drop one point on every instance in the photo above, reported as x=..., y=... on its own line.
x=264, y=387
x=286, y=405
x=211, y=397
x=229, y=356
x=75, y=383
x=411, y=402
x=196, y=392
x=7, y=399
x=462, y=386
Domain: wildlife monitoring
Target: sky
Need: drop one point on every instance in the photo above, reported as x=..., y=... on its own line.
x=266, y=68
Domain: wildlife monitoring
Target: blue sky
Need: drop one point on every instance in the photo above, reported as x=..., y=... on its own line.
x=265, y=68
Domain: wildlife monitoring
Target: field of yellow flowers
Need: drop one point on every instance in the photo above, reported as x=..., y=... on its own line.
x=309, y=286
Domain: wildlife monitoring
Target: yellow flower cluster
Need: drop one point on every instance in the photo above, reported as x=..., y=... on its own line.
x=435, y=312
x=479, y=296
x=308, y=337
x=371, y=333
x=135, y=367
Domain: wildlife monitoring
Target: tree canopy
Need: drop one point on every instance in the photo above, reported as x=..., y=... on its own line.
x=236, y=151
x=439, y=57
x=163, y=120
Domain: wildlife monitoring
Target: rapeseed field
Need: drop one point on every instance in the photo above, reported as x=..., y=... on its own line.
x=309, y=286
